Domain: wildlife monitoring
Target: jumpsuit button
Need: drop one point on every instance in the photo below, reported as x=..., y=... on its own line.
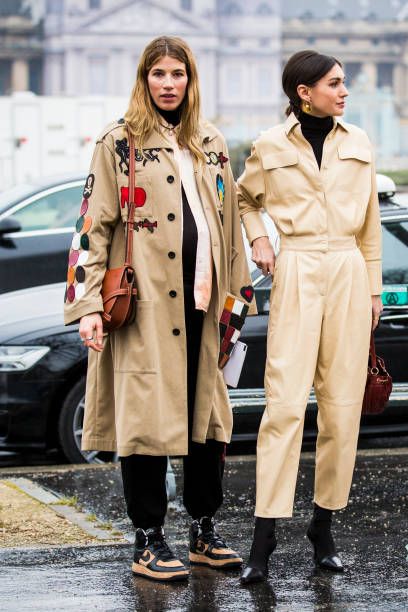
x=170, y=179
x=171, y=216
x=172, y=293
x=171, y=255
x=176, y=332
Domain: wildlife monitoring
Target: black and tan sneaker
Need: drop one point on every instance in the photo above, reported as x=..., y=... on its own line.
x=207, y=547
x=154, y=559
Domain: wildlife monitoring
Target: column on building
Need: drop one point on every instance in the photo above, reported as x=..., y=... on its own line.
x=20, y=75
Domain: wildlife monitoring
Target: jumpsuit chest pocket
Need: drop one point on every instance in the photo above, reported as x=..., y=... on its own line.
x=143, y=198
x=354, y=153
x=278, y=169
x=354, y=174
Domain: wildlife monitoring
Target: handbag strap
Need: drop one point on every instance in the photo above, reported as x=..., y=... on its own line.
x=131, y=200
x=373, y=355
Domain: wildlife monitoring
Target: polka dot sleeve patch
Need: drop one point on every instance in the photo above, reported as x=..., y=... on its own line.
x=79, y=253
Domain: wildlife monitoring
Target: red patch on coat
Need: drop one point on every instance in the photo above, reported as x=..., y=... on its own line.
x=140, y=196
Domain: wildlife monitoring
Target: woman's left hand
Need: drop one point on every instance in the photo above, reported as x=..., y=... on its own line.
x=377, y=309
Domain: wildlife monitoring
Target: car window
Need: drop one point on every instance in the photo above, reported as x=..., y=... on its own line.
x=53, y=211
x=395, y=252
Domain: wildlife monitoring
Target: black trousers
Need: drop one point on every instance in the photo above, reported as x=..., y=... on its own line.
x=144, y=476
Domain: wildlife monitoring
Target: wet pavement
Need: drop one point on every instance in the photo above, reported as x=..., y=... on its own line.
x=371, y=535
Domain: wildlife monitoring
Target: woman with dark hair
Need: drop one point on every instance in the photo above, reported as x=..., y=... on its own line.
x=154, y=387
x=314, y=175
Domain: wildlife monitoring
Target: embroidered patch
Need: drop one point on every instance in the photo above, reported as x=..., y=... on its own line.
x=231, y=322
x=145, y=155
x=84, y=207
x=80, y=223
x=247, y=293
x=89, y=185
x=139, y=196
x=70, y=275
x=220, y=188
x=145, y=224
x=79, y=253
x=216, y=158
x=80, y=274
x=85, y=242
x=73, y=258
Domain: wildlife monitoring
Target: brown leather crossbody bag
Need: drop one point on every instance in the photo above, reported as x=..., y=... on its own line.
x=119, y=285
x=379, y=383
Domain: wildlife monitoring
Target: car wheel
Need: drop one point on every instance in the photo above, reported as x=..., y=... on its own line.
x=70, y=426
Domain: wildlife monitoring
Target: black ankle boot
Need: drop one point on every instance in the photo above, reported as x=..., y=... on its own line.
x=263, y=545
x=319, y=533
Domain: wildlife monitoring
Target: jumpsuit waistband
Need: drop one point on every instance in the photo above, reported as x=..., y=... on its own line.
x=317, y=243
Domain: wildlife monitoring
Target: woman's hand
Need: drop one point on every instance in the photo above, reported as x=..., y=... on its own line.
x=377, y=309
x=263, y=255
x=91, y=332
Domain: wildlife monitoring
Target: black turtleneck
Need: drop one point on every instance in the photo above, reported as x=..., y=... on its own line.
x=315, y=130
x=170, y=116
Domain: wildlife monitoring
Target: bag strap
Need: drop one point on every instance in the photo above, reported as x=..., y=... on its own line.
x=373, y=355
x=131, y=200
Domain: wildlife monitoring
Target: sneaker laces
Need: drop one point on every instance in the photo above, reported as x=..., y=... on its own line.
x=213, y=538
x=162, y=549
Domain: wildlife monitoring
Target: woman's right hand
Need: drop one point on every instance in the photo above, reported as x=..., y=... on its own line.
x=263, y=255
x=91, y=331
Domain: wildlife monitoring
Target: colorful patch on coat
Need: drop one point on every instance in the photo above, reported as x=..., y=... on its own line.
x=215, y=159
x=145, y=224
x=78, y=255
x=89, y=185
x=139, y=196
x=220, y=188
x=144, y=155
x=231, y=322
x=247, y=293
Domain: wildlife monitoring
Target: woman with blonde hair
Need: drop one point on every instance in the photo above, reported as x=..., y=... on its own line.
x=315, y=176
x=154, y=387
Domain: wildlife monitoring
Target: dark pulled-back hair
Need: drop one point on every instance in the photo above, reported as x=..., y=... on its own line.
x=304, y=68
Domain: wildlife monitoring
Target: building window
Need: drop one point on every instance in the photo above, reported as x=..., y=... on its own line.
x=5, y=77
x=233, y=88
x=98, y=75
x=35, y=77
x=264, y=9
x=231, y=9
x=385, y=73
x=186, y=5
x=352, y=71
x=94, y=4
x=265, y=81
x=55, y=7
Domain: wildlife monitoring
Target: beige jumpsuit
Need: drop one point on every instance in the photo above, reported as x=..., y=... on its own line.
x=328, y=266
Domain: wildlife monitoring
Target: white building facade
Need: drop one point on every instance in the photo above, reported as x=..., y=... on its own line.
x=92, y=47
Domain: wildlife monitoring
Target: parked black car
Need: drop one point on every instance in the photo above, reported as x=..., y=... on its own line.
x=43, y=363
x=36, y=225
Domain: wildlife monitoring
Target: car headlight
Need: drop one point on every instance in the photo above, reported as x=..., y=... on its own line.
x=19, y=358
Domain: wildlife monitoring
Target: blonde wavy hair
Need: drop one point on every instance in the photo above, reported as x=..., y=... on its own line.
x=142, y=117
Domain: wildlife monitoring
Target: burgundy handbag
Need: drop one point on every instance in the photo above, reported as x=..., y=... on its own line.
x=119, y=285
x=379, y=383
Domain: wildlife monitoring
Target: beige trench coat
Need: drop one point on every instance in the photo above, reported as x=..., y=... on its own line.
x=136, y=398
x=339, y=200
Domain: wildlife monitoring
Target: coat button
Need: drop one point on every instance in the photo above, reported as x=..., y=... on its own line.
x=171, y=255
x=176, y=332
x=172, y=293
x=170, y=179
x=171, y=216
